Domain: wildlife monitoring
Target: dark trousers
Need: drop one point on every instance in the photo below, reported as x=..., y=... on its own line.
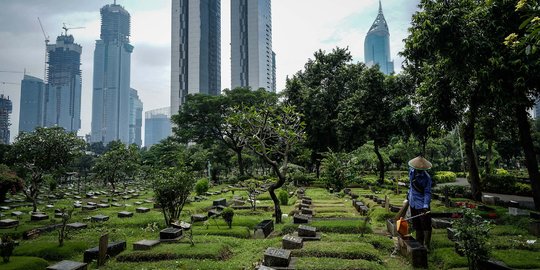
x=421, y=223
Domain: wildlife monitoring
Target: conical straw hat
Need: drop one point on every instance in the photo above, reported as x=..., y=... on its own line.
x=420, y=163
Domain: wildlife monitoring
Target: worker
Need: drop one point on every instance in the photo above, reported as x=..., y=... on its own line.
x=420, y=198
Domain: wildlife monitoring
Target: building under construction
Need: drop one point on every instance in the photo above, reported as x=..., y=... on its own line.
x=63, y=93
x=6, y=108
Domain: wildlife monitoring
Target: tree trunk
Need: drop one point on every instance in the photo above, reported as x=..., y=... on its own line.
x=273, y=187
x=381, y=164
x=489, y=156
x=530, y=156
x=240, y=161
x=470, y=152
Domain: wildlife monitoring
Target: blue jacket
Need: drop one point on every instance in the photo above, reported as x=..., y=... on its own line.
x=422, y=182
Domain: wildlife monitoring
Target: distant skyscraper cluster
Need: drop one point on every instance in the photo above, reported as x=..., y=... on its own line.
x=58, y=102
x=377, y=45
x=5, y=110
x=196, y=47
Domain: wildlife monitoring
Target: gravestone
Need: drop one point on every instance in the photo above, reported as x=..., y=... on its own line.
x=138, y=203
x=198, y=217
x=307, y=211
x=276, y=257
x=103, y=205
x=170, y=234
x=490, y=200
x=292, y=242
x=68, y=265
x=77, y=205
x=267, y=226
x=49, y=206
x=303, y=206
x=102, y=249
x=513, y=211
x=100, y=218
x=262, y=267
x=534, y=228
x=8, y=223
x=304, y=201
x=148, y=201
x=414, y=251
x=39, y=216
x=89, y=207
x=437, y=223
x=77, y=226
x=113, y=249
x=391, y=227
x=4, y=208
x=16, y=213
x=116, y=205
x=534, y=215
x=513, y=204
x=142, y=210
x=104, y=200
x=213, y=212
x=145, y=244
x=221, y=201
x=307, y=231
x=125, y=214
x=91, y=203
x=300, y=219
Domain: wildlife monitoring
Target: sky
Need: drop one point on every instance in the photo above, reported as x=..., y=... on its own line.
x=300, y=28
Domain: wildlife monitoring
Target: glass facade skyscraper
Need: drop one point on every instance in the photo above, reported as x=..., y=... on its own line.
x=135, y=118
x=112, y=67
x=252, y=58
x=157, y=126
x=377, y=45
x=32, y=103
x=195, y=49
x=5, y=110
x=63, y=91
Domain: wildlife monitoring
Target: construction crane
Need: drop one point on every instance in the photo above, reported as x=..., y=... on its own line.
x=70, y=28
x=46, y=50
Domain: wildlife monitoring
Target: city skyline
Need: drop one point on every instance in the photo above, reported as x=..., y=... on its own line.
x=302, y=28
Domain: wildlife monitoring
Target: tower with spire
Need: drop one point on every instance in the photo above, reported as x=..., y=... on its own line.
x=377, y=45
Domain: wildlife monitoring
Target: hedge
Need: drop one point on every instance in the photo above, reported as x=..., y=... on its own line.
x=444, y=177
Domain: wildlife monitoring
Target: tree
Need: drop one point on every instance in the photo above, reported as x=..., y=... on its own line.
x=117, y=164
x=228, y=214
x=172, y=187
x=9, y=181
x=270, y=130
x=326, y=80
x=471, y=235
x=62, y=233
x=44, y=151
x=252, y=187
x=202, y=119
x=336, y=170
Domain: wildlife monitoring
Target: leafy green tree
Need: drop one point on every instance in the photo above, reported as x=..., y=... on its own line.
x=44, y=151
x=119, y=163
x=202, y=186
x=9, y=181
x=471, y=235
x=270, y=130
x=336, y=170
x=172, y=187
x=327, y=80
x=228, y=214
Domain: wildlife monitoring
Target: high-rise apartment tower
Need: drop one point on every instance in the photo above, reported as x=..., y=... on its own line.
x=112, y=67
x=195, y=49
x=377, y=45
x=252, y=58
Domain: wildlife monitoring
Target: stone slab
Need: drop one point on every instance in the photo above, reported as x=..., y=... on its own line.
x=125, y=214
x=414, y=251
x=145, y=244
x=68, y=265
x=534, y=228
x=301, y=219
x=103, y=205
x=277, y=257
x=221, y=201
x=317, y=237
x=438, y=223
x=8, y=223
x=113, y=249
x=170, y=234
x=292, y=242
x=198, y=217
x=77, y=226
x=307, y=231
x=89, y=207
x=38, y=217
x=142, y=210
x=16, y=213
x=307, y=211
x=100, y=218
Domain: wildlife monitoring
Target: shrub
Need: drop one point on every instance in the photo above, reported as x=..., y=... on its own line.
x=471, y=237
x=444, y=177
x=283, y=197
x=505, y=183
x=501, y=172
x=336, y=170
x=228, y=214
x=6, y=247
x=171, y=189
x=202, y=186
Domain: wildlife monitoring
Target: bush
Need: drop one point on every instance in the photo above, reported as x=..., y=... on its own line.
x=336, y=170
x=202, y=186
x=283, y=197
x=501, y=172
x=444, y=177
x=228, y=214
x=506, y=184
x=6, y=247
x=471, y=237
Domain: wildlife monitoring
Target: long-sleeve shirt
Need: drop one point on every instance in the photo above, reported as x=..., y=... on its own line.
x=420, y=189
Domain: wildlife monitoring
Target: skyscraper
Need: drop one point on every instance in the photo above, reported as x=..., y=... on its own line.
x=63, y=91
x=157, y=126
x=252, y=58
x=377, y=45
x=195, y=49
x=5, y=110
x=112, y=67
x=135, y=118
x=32, y=103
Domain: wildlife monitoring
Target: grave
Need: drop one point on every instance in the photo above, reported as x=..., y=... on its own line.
x=116, y=205
x=103, y=205
x=91, y=203
x=346, y=190
x=138, y=203
x=77, y=226
x=303, y=206
x=113, y=249
x=89, y=207
x=300, y=219
x=307, y=211
x=8, y=223
x=170, y=234
x=490, y=200
x=304, y=201
x=308, y=233
x=16, y=213
x=77, y=205
x=306, y=198
x=221, y=201
x=213, y=212
x=125, y=214
x=534, y=228
x=49, y=206
x=145, y=244
x=148, y=201
x=68, y=265
x=39, y=216
x=100, y=218
x=104, y=200
x=60, y=215
x=414, y=251
x=391, y=227
x=276, y=257
x=198, y=217
x=142, y=210
x=292, y=242
x=437, y=223
x=4, y=208
x=513, y=211
x=493, y=265
x=267, y=227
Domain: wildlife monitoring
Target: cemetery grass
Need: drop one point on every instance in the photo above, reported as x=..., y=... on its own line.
x=26, y=263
